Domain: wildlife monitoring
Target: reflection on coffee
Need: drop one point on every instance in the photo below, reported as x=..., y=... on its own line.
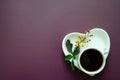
x=91, y=60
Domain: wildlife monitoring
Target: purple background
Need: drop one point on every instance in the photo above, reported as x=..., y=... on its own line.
x=31, y=32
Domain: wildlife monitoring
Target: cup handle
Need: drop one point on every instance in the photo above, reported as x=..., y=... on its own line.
x=106, y=53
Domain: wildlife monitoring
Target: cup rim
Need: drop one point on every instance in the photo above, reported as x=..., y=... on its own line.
x=91, y=72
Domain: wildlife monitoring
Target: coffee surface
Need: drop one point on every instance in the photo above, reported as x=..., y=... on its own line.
x=91, y=60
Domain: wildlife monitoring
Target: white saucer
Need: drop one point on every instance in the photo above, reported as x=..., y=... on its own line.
x=99, y=40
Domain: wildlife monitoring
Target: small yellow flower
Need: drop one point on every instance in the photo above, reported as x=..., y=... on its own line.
x=82, y=45
x=77, y=41
x=82, y=39
x=80, y=36
x=85, y=40
x=77, y=44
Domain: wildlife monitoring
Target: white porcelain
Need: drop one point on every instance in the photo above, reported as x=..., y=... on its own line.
x=100, y=41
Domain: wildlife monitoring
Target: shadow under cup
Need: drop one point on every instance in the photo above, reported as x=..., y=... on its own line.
x=91, y=60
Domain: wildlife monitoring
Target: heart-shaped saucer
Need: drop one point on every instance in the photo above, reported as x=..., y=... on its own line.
x=100, y=40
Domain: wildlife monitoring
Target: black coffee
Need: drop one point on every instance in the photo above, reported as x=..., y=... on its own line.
x=91, y=60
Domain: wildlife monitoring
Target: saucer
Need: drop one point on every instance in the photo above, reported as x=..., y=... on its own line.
x=100, y=40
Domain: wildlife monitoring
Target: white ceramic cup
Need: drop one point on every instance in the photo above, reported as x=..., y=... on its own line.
x=92, y=73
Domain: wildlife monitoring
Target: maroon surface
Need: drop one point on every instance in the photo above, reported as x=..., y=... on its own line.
x=31, y=32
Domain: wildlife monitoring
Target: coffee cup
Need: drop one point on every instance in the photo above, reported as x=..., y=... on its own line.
x=91, y=61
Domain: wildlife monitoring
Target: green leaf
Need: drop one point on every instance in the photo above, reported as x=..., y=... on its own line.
x=76, y=50
x=69, y=46
x=68, y=57
x=72, y=65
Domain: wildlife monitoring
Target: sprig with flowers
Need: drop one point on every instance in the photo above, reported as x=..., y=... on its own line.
x=80, y=42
